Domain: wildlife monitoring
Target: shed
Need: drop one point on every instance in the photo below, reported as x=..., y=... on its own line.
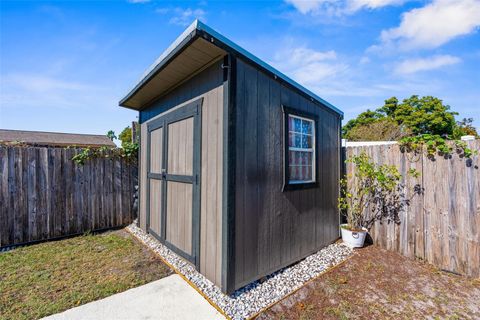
x=239, y=164
x=54, y=139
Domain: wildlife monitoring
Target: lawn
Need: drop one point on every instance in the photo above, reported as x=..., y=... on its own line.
x=47, y=278
x=378, y=284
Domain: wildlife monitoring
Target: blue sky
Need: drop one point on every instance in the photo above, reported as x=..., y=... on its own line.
x=64, y=65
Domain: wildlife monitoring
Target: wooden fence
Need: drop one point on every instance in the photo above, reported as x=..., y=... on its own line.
x=442, y=226
x=45, y=195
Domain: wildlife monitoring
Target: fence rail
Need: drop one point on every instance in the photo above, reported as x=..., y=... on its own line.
x=45, y=195
x=442, y=226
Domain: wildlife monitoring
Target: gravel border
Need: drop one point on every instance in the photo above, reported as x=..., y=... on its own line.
x=249, y=300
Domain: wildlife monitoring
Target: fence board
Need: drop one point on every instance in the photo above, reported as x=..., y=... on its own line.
x=45, y=195
x=443, y=225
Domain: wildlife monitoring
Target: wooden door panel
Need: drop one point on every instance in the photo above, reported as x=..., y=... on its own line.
x=156, y=150
x=180, y=147
x=174, y=187
x=179, y=215
x=155, y=205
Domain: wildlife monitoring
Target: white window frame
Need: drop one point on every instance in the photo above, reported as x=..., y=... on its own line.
x=311, y=150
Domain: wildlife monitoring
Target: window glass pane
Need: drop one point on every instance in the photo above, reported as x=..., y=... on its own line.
x=291, y=139
x=293, y=158
x=291, y=126
x=298, y=141
x=297, y=125
x=301, y=158
x=306, y=142
x=306, y=127
x=303, y=173
x=295, y=140
x=309, y=158
x=308, y=173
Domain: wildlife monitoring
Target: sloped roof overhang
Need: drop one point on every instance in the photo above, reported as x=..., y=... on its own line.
x=197, y=47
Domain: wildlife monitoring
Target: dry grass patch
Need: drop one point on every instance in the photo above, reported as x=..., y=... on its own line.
x=47, y=278
x=379, y=284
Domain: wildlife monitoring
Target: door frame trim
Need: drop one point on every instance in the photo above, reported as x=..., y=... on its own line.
x=192, y=109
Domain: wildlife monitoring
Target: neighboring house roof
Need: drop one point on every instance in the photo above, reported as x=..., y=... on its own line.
x=196, y=47
x=54, y=139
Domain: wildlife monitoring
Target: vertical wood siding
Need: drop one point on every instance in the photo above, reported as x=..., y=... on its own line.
x=273, y=228
x=45, y=195
x=209, y=85
x=442, y=226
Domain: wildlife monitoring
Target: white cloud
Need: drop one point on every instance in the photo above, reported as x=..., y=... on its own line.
x=355, y=5
x=339, y=7
x=20, y=90
x=181, y=16
x=138, y=1
x=364, y=60
x=308, y=66
x=434, y=24
x=306, y=6
x=410, y=66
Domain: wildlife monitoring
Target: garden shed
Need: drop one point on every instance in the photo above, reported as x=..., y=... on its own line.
x=239, y=164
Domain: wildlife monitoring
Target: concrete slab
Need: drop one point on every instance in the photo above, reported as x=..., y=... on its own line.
x=168, y=298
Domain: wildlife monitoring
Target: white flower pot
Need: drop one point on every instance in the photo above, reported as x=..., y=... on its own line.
x=354, y=239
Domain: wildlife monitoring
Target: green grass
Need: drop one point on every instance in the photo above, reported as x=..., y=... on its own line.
x=47, y=278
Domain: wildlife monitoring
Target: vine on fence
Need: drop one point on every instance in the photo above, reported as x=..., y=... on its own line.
x=435, y=144
x=377, y=193
x=129, y=152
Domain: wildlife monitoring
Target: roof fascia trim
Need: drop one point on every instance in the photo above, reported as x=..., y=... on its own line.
x=176, y=47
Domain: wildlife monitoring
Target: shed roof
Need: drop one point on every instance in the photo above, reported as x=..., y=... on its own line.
x=197, y=47
x=54, y=139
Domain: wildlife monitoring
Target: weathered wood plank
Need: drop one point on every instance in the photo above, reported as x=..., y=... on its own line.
x=473, y=222
x=442, y=226
x=45, y=195
x=4, y=197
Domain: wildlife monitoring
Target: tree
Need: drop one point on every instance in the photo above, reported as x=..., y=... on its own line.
x=380, y=130
x=413, y=116
x=125, y=136
x=426, y=115
x=111, y=135
x=465, y=128
x=363, y=118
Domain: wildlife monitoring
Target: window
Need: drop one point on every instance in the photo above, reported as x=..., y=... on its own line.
x=300, y=153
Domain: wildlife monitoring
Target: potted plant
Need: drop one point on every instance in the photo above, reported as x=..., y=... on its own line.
x=372, y=193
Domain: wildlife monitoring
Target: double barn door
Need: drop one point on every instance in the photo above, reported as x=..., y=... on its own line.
x=173, y=180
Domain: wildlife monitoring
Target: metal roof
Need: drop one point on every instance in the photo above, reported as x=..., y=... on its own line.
x=196, y=29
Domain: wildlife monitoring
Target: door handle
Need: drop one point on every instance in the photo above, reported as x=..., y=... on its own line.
x=164, y=174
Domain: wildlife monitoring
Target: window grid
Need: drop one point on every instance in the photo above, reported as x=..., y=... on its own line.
x=301, y=146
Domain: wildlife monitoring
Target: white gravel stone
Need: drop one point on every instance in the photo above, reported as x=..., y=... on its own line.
x=256, y=296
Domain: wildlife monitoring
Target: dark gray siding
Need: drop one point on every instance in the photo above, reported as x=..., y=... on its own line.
x=273, y=228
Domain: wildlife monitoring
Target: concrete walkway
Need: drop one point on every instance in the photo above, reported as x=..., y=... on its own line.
x=168, y=298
